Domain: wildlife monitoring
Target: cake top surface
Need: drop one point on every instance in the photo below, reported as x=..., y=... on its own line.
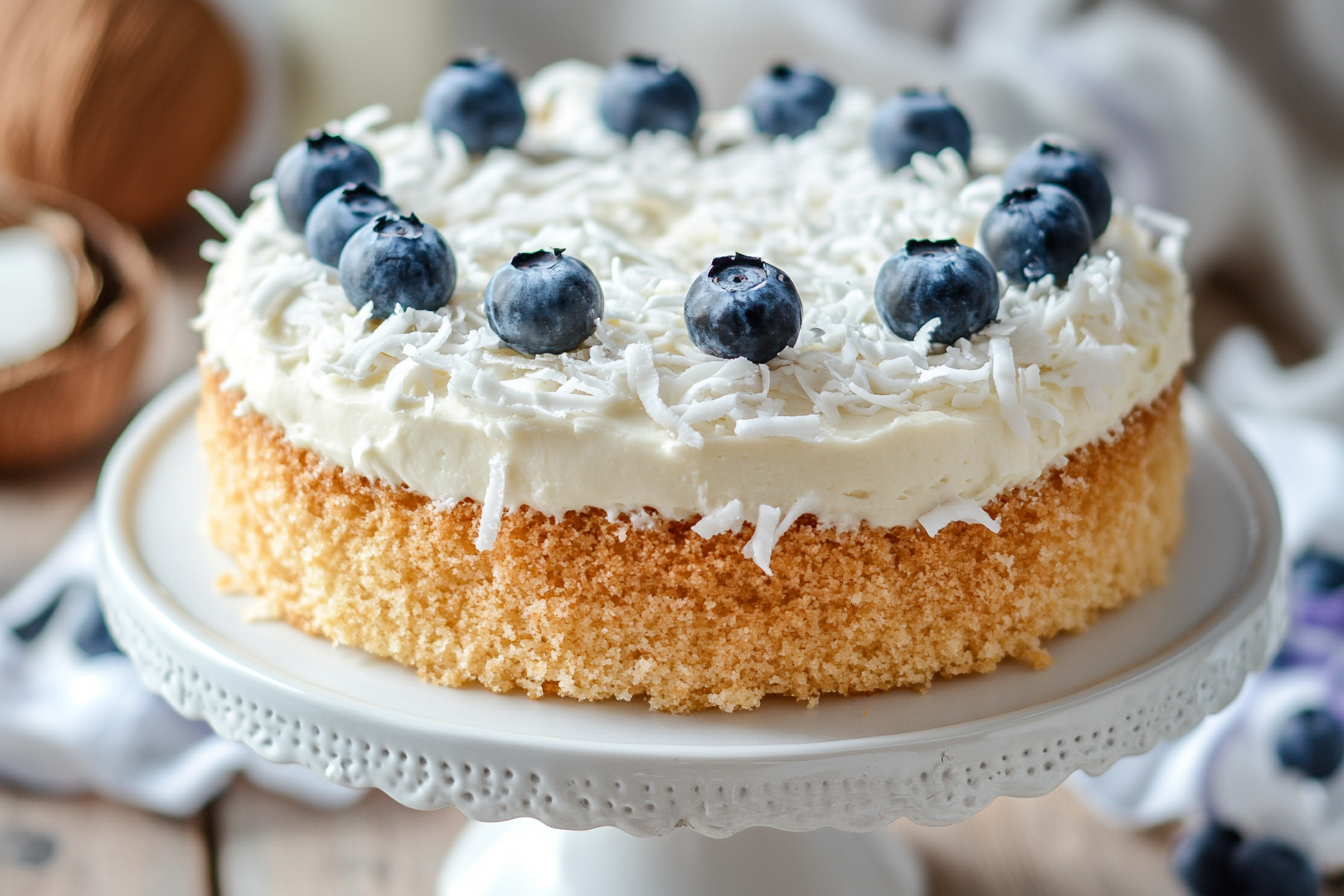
x=852, y=423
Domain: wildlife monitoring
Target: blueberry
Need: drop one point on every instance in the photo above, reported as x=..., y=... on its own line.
x=478, y=101
x=743, y=307
x=1036, y=231
x=1312, y=742
x=397, y=260
x=1051, y=162
x=338, y=215
x=1203, y=860
x=543, y=302
x=914, y=121
x=1293, y=654
x=788, y=100
x=1262, y=866
x=1317, y=573
x=647, y=94
x=937, y=278
x=313, y=167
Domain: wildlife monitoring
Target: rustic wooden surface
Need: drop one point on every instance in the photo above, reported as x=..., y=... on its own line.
x=1051, y=846
x=252, y=843
x=266, y=845
x=85, y=846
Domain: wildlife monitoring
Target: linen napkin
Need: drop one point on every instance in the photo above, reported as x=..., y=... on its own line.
x=74, y=716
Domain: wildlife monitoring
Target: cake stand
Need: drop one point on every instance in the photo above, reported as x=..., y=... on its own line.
x=711, y=798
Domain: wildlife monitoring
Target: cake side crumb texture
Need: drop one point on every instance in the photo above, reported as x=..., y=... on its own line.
x=594, y=609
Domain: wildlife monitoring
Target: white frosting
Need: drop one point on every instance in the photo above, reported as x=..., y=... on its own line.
x=852, y=424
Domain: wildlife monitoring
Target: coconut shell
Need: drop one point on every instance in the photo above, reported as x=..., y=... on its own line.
x=126, y=103
x=65, y=400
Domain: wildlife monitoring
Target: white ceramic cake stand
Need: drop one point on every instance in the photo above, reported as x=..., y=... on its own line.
x=1147, y=672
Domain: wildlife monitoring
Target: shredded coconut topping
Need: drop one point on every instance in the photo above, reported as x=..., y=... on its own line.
x=958, y=511
x=647, y=217
x=492, y=511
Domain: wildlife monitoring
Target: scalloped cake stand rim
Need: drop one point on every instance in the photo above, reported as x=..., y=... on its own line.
x=796, y=778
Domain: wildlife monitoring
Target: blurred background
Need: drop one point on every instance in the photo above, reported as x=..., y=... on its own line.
x=1229, y=113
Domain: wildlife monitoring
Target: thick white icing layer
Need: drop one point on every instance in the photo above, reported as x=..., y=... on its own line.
x=852, y=424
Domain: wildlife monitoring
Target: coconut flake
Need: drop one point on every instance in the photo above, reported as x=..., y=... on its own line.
x=962, y=510
x=278, y=288
x=727, y=518
x=492, y=510
x=924, y=338
x=643, y=378
x=404, y=378
x=491, y=389
x=215, y=211
x=762, y=543
x=1004, y=374
x=713, y=409
x=808, y=503
x=1173, y=231
x=806, y=427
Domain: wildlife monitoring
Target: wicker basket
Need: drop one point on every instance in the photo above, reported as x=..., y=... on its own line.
x=65, y=400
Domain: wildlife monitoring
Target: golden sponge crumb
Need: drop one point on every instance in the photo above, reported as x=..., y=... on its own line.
x=587, y=608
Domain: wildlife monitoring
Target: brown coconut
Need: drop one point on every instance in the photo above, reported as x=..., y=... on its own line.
x=126, y=103
x=61, y=402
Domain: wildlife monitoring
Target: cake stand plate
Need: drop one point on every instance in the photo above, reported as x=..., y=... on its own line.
x=1147, y=672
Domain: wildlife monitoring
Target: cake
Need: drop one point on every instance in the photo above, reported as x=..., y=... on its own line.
x=639, y=518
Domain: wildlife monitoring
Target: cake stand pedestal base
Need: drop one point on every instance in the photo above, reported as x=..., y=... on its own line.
x=526, y=858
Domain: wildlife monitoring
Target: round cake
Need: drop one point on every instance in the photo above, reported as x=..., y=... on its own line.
x=639, y=517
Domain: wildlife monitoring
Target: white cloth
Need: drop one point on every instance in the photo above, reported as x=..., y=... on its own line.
x=1293, y=420
x=74, y=716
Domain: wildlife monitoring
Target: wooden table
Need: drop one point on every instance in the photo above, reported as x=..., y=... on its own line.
x=251, y=843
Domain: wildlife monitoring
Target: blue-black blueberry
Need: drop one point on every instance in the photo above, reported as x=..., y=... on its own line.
x=788, y=100
x=937, y=278
x=743, y=307
x=1317, y=573
x=1311, y=742
x=338, y=215
x=917, y=121
x=313, y=167
x=1049, y=161
x=543, y=302
x=643, y=93
x=396, y=260
x=1203, y=859
x=478, y=100
x=1036, y=231
x=1263, y=866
